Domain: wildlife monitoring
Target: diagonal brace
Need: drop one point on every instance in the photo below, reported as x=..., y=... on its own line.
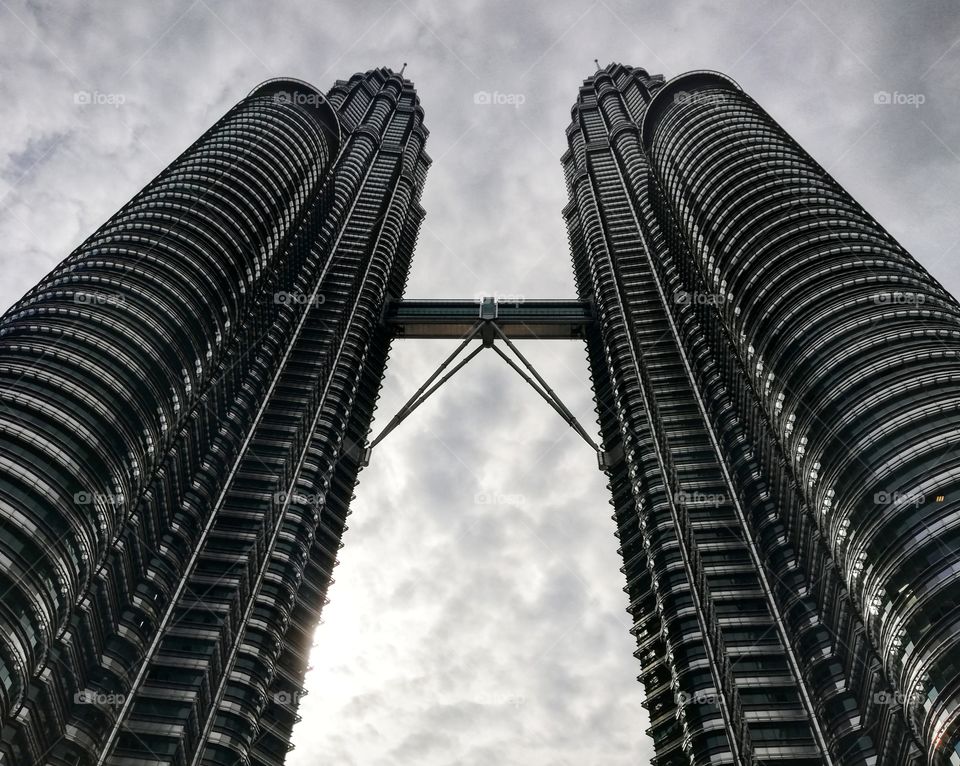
x=548, y=394
x=435, y=381
x=422, y=393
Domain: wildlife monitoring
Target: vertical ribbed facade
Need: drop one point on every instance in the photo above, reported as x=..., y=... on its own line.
x=182, y=400
x=777, y=379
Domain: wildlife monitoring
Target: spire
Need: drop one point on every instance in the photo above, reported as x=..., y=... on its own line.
x=403, y=68
x=595, y=61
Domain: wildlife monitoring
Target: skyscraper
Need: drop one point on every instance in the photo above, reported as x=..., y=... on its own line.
x=186, y=402
x=776, y=383
x=182, y=397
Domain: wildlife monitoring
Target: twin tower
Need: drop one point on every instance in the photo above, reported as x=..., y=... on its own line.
x=185, y=403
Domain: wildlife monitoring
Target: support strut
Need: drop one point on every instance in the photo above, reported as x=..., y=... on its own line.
x=488, y=330
x=422, y=393
x=546, y=392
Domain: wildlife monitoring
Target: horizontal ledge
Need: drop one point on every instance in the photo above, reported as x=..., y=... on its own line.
x=517, y=318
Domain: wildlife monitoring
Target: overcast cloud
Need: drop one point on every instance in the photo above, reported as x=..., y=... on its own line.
x=464, y=631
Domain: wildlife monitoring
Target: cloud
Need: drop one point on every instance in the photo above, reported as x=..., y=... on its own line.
x=462, y=631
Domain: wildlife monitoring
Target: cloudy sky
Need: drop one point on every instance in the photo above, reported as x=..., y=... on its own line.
x=463, y=631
